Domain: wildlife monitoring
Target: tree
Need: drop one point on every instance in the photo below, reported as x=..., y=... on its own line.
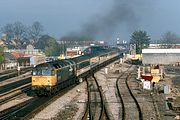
x=49, y=45
x=35, y=31
x=141, y=39
x=1, y=55
x=19, y=35
x=170, y=38
x=8, y=29
x=16, y=31
x=20, y=31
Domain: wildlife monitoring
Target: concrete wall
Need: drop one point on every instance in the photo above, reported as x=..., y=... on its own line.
x=160, y=58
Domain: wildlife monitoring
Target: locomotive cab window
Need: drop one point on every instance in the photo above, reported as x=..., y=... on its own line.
x=53, y=72
x=34, y=72
x=42, y=72
x=46, y=72
x=37, y=72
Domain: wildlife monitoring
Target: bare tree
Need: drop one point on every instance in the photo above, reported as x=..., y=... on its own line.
x=8, y=29
x=170, y=38
x=20, y=31
x=18, y=34
x=35, y=31
x=15, y=34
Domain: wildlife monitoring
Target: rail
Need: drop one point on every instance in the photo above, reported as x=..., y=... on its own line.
x=124, y=113
x=88, y=111
x=135, y=100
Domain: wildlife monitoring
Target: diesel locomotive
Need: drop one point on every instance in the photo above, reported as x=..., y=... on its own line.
x=50, y=77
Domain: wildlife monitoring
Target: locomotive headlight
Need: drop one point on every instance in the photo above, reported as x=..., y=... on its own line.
x=33, y=80
x=48, y=79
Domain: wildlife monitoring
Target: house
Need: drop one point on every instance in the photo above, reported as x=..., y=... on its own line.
x=10, y=61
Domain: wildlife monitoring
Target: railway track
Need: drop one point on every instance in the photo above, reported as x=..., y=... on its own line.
x=13, y=88
x=9, y=87
x=7, y=71
x=13, y=73
x=130, y=108
x=10, y=113
x=13, y=94
x=95, y=108
x=29, y=108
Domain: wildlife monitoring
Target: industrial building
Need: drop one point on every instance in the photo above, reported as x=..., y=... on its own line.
x=161, y=56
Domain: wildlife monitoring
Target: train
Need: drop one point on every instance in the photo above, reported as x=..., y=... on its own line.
x=136, y=61
x=50, y=77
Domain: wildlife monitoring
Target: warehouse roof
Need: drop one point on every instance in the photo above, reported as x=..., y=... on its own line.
x=160, y=51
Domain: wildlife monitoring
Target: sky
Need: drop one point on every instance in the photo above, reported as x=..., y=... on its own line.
x=102, y=19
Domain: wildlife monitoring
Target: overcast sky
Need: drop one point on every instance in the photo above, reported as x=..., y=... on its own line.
x=61, y=17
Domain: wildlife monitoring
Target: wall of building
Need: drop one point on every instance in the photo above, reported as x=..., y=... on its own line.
x=160, y=58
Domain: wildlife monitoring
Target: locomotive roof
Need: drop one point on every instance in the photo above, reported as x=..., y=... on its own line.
x=55, y=64
x=94, y=49
x=80, y=58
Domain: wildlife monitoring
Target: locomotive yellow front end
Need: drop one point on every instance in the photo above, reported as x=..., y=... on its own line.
x=43, y=80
